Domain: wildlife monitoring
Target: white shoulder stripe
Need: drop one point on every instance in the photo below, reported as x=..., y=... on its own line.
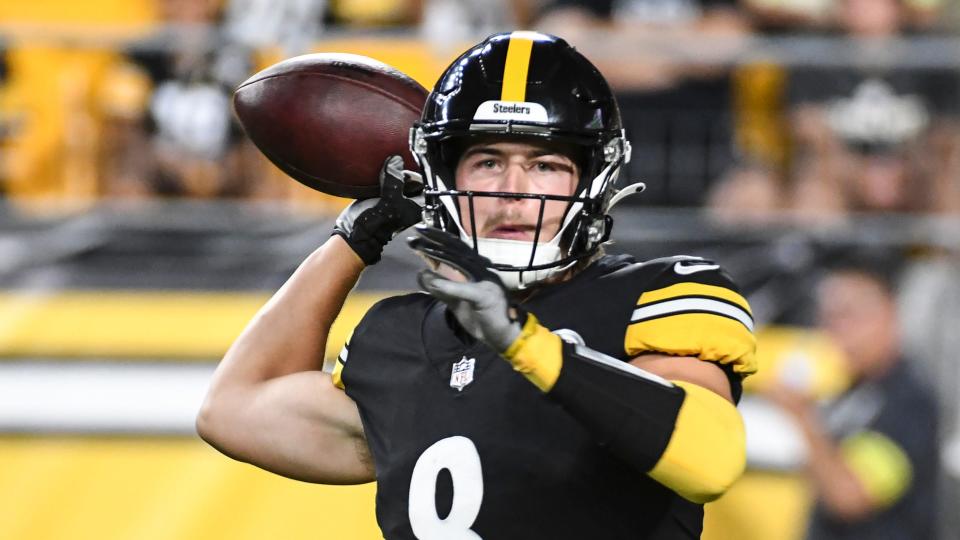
x=692, y=304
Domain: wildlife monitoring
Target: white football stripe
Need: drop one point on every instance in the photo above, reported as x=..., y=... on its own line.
x=693, y=304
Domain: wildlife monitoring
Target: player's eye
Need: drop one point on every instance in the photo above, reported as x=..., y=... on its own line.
x=544, y=166
x=551, y=166
x=486, y=164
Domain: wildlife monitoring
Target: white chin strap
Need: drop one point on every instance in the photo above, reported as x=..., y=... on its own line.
x=517, y=253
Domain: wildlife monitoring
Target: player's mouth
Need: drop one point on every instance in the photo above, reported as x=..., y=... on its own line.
x=510, y=231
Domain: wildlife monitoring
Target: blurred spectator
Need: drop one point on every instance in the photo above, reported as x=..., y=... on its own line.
x=169, y=126
x=762, y=130
x=290, y=25
x=7, y=119
x=667, y=59
x=750, y=193
x=875, y=156
x=774, y=16
x=785, y=16
x=446, y=23
x=375, y=13
x=872, y=452
x=862, y=132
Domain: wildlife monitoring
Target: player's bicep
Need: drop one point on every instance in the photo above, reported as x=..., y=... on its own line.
x=299, y=425
x=684, y=368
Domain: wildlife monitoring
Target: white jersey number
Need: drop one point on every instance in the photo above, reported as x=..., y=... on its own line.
x=459, y=456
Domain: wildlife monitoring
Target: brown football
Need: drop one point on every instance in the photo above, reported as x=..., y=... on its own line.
x=329, y=120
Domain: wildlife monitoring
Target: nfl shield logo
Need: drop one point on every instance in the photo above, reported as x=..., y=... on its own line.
x=462, y=373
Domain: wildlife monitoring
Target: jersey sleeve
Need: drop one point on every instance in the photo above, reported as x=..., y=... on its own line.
x=354, y=336
x=376, y=323
x=692, y=308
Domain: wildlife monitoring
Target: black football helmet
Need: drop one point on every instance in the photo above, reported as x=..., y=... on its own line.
x=524, y=85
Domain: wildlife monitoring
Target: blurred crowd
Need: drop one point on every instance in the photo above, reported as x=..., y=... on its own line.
x=723, y=109
x=755, y=111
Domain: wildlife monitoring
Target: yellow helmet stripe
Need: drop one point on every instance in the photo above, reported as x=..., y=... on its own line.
x=515, y=69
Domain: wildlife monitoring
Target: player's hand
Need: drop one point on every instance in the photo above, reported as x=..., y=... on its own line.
x=368, y=224
x=480, y=303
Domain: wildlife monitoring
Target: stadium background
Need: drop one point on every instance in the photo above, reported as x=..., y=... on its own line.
x=120, y=292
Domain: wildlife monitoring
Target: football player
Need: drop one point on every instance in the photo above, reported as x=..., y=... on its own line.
x=539, y=389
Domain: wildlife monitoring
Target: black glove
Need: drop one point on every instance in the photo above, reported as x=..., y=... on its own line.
x=480, y=304
x=367, y=225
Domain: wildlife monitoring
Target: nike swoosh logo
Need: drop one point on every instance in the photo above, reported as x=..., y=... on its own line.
x=685, y=270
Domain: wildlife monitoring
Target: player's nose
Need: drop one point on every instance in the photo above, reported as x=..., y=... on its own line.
x=515, y=180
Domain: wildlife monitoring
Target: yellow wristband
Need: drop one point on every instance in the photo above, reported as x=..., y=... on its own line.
x=537, y=354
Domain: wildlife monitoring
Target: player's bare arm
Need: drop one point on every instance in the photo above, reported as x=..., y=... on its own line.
x=269, y=403
x=689, y=369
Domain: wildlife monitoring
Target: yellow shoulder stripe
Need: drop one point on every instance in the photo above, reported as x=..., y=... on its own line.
x=516, y=67
x=703, y=335
x=694, y=289
x=340, y=362
x=337, y=375
x=883, y=468
x=709, y=322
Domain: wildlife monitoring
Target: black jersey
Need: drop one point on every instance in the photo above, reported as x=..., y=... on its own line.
x=466, y=448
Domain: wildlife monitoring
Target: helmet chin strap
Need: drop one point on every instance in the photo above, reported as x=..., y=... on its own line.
x=517, y=253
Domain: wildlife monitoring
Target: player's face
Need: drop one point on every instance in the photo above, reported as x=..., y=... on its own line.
x=515, y=167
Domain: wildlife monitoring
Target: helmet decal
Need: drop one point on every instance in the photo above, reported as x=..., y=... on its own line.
x=524, y=111
x=515, y=68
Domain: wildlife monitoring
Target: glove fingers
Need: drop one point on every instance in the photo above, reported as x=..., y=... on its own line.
x=432, y=282
x=470, y=269
x=392, y=175
x=392, y=178
x=453, y=245
x=444, y=247
x=413, y=186
x=445, y=239
x=451, y=291
x=368, y=225
x=438, y=256
x=392, y=168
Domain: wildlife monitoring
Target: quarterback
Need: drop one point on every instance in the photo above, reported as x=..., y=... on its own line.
x=538, y=388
